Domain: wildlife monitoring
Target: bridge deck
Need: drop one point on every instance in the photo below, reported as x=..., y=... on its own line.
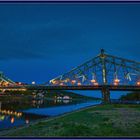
x=83, y=87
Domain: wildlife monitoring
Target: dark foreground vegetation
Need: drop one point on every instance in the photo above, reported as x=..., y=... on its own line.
x=101, y=120
x=134, y=96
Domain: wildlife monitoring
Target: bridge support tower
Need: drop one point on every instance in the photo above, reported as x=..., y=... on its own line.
x=105, y=95
x=105, y=90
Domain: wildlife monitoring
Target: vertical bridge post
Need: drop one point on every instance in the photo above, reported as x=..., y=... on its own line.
x=105, y=90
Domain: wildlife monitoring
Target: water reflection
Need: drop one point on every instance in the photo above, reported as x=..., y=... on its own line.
x=27, y=120
x=12, y=119
x=62, y=101
x=57, y=110
x=2, y=117
x=10, y=112
x=37, y=103
x=20, y=112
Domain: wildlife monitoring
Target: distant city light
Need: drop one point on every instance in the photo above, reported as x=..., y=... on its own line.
x=33, y=82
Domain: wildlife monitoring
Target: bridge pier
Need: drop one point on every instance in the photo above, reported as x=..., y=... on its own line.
x=105, y=95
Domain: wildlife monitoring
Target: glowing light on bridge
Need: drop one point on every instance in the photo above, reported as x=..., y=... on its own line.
x=61, y=84
x=138, y=83
x=79, y=84
x=116, y=81
x=96, y=84
x=73, y=81
x=93, y=81
x=12, y=120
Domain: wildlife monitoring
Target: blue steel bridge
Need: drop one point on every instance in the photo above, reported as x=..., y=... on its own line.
x=104, y=72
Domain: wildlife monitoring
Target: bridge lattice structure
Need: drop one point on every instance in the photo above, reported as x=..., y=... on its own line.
x=104, y=72
x=5, y=81
x=104, y=69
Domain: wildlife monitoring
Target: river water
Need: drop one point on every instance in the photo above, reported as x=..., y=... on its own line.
x=15, y=113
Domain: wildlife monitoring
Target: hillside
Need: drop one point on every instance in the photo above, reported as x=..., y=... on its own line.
x=135, y=96
x=47, y=94
x=73, y=95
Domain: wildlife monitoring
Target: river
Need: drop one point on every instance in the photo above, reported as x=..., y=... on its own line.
x=14, y=113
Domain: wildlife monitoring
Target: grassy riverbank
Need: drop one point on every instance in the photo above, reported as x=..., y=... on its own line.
x=102, y=120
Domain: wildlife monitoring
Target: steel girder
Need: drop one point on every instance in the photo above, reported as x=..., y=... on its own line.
x=105, y=68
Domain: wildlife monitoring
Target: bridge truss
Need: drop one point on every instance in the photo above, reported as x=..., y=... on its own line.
x=104, y=72
x=104, y=69
x=5, y=81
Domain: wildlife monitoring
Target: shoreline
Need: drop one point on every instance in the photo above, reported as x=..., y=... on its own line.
x=98, y=120
x=45, y=120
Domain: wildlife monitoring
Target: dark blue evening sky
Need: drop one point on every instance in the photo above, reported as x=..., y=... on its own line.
x=41, y=41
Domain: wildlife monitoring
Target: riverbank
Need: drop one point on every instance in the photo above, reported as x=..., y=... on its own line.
x=101, y=120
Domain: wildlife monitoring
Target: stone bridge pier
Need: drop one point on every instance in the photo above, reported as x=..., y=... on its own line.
x=105, y=95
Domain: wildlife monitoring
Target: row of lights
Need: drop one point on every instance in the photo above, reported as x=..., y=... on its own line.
x=20, y=83
x=8, y=112
x=115, y=82
x=73, y=82
x=17, y=83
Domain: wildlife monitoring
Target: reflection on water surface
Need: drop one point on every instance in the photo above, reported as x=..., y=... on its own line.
x=21, y=112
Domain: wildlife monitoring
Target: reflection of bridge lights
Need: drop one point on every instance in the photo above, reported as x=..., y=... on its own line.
x=11, y=89
x=4, y=111
x=8, y=112
x=19, y=114
x=11, y=112
x=12, y=120
x=15, y=113
x=27, y=121
x=2, y=117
